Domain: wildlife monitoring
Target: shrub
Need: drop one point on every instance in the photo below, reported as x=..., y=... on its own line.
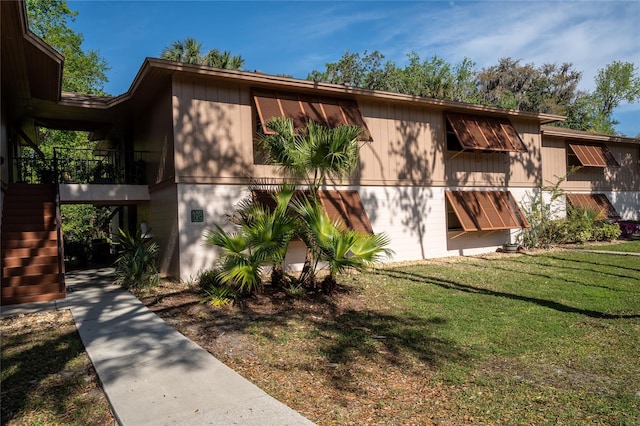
x=605, y=231
x=214, y=290
x=136, y=262
x=219, y=296
x=209, y=279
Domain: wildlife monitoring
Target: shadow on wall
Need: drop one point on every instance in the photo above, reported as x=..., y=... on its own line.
x=415, y=156
x=210, y=162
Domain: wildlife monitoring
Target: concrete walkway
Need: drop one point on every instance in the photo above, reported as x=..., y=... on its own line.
x=151, y=374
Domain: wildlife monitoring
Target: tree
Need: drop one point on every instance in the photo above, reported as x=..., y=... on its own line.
x=547, y=89
x=189, y=51
x=616, y=83
x=431, y=78
x=84, y=70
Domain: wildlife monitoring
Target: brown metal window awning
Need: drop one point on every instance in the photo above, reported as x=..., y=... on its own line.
x=486, y=210
x=593, y=155
x=482, y=133
x=301, y=108
x=597, y=202
x=344, y=207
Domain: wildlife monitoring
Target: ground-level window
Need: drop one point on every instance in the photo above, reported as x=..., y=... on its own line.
x=597, y=202
x=483, y=211
x=342, y=206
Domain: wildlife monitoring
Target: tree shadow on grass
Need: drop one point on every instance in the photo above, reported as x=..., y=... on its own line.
x=467, y=288
x=546, y=266
x=629, y=260
x=29, y=367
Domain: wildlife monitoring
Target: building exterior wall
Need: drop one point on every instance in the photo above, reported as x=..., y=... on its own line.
x=414, y=218
x=214, y=132
x=621, y=184
x=156, y=136
x=162, y=218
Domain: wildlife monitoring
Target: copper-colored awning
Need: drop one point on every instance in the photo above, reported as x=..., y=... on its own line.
x=346, y=208
x=301, y=108
x=593, y=155
x=486, y=210
x=597, y=202
x=477, y=132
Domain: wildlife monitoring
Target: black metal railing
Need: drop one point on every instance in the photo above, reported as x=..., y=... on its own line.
x=31, y=169
x=101, y=166
x=73, y=165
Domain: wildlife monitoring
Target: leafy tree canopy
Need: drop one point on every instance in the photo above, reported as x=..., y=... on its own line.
x=84, y=70
x=549, y=88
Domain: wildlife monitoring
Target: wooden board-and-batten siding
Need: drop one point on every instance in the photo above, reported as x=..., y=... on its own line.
x=214, y=131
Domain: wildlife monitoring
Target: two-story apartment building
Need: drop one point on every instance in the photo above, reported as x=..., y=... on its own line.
x=440, y=178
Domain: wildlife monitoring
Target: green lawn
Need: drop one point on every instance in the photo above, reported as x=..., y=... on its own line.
x=627, y=247
x=551, y=338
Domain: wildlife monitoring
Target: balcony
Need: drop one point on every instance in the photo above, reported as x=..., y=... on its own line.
x=89, y=175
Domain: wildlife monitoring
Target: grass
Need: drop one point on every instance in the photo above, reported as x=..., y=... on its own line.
x=550, y=338
x=47, y=378
x=626, y=247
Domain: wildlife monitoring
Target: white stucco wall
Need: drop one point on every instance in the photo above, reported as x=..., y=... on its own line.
x=215, y=201
x=414, y=218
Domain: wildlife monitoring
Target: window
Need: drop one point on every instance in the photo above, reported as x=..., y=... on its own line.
x=590, y=155
x=344, y=207
x=330, y=112
x=597, y=202
x=468, y=132
x=483, y=211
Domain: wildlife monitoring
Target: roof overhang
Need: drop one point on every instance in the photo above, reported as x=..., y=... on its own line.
x=260, y=80
x=31, y=69
x=580, y=135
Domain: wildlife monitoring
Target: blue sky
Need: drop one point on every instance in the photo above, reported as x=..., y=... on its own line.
x=297, y=37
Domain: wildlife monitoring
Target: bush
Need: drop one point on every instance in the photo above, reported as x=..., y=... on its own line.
x=214, y=290
x=209, y=279
x=136, y=262
x=605, y=231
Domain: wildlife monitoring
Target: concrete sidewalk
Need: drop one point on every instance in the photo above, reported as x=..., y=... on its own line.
x=151, y=374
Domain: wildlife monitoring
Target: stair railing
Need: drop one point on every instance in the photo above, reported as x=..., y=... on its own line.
x=59, y=237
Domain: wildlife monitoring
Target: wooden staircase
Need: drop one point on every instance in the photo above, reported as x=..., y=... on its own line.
x=30, y=265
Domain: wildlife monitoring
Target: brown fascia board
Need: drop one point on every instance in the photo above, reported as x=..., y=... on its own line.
x=285, y=83
x=586, y=136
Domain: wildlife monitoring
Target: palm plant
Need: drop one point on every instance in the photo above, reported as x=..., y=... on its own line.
x=136, y=262
x=340, y=248
x=189, y=51
x=262, y=239
x=217, y=59
x=314, y=152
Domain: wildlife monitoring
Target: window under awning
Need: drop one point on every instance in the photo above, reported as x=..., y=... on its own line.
x=486, y=210
x=342, y=206
x=593, y=155
x=301, y=108
x=482, y=133
x=346, y=208
x=597, y=202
